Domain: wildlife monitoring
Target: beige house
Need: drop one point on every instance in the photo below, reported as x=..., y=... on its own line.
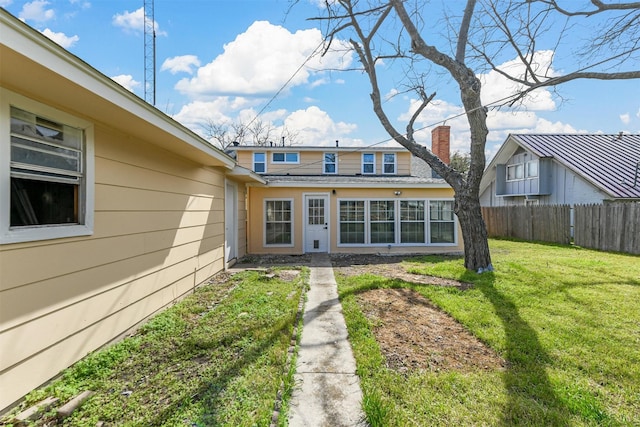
x=109, y=209
x=347, y=200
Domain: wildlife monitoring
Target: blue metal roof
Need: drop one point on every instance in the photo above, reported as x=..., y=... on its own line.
x=607, y=161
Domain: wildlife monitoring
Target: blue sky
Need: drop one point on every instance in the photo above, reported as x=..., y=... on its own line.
x=224, y=60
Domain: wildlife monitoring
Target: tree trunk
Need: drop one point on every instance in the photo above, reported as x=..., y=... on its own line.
x=474, y=232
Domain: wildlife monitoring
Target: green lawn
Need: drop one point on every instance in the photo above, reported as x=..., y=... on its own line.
x=567, y=320
x=218, y=357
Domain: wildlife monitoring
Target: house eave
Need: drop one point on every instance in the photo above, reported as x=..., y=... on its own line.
x=240, y=174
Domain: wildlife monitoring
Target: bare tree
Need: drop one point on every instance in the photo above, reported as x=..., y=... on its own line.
x=255, y=133
x=401, y=34
x=224, y=134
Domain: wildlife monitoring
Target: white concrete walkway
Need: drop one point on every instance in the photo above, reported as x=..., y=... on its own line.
x=327, y=389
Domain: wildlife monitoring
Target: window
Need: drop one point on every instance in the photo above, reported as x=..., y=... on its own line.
x=532, y=169
x=389, y=163
x=398, y=221
x=412, y=225
x=515, y=172
x=48, y=190
x=442, y=222
x=259, y=162
x=278, y=222
x=329, y=163
x=382, y=221
x=352, y=221
x=368, y=163
x=316, y=214
x=284, y=158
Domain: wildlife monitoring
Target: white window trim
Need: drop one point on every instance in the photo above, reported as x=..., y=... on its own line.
x=429, y=221
x=363, y=163
x=324, y=163
x=43, y=232
x=395, y=164
x=285, y=157
x=514, y=165
x=253, y=158
x=264, y=223
x=367, y=224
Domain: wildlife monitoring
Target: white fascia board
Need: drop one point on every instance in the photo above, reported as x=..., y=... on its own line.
x=327, y=148
x=353, y=185
x=240, y=173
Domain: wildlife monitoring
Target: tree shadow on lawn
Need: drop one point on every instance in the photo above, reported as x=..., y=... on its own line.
x=532, y=399
x=213, y=382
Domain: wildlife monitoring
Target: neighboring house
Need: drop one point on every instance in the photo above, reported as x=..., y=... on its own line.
x=109, y=209
x=563, y=169
x=346, y=200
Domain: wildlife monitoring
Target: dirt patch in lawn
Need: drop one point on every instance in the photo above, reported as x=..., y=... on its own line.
x=414, y=334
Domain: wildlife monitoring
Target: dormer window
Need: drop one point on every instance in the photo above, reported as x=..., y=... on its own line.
x=368, y=163
x=389, y=163
x=330, y=163
x=285, y=158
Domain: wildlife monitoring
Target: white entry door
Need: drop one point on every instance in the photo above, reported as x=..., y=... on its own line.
x=316, y=228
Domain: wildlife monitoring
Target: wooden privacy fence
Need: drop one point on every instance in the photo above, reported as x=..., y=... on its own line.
x=609, y=227
x=542, y=223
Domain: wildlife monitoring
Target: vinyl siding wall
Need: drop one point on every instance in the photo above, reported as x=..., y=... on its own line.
x=567, y=188
x=349, y=162
x=159, y=232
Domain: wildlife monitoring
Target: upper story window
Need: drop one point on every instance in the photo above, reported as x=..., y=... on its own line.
x=389, y=163
x=285, y=158
x=330, y=163
x=368, y=163
x=48, y=190
x=515, y=172
x=259, y=162
x=532, y=169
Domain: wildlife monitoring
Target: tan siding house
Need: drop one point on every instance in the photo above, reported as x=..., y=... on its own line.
x=109, y=210
x=346, y=200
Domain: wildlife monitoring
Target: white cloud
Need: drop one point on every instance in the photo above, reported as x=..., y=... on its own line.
x=36, y=11
x=182, y=63
x=311, y=126
x=223, y=109
x=625, y=118
x=319, y=82
x=261, y=61
x=127, y=81
x=83, y=4
x=134, y=22
x=61, y=38
x=5, y=3
x=314, y=126
x=522, y=118
x=496, y=88
x=638, y=113
x=391, y=94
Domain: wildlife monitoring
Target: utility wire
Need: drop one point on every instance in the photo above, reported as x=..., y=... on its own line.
x=500, y=101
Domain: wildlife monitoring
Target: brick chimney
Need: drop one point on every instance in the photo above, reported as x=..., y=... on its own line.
x=440, y=145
